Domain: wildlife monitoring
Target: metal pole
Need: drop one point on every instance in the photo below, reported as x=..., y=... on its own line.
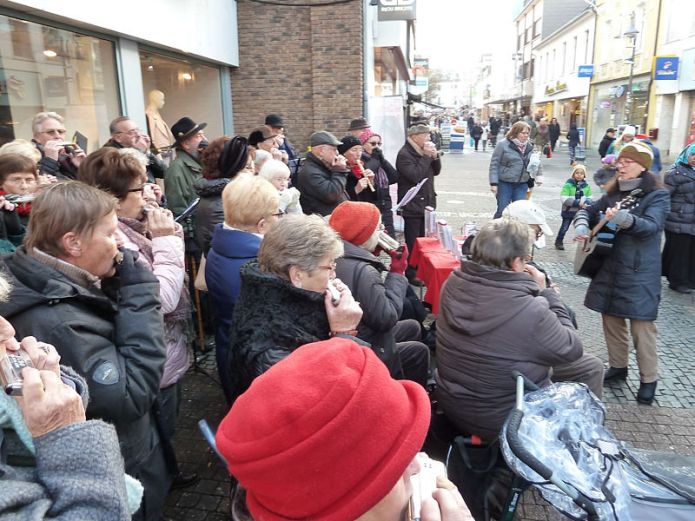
x=628, y=98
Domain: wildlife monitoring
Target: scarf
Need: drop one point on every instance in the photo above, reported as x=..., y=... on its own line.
x=416, y=147
x=521, y=145
x=685, y=155
x=82, y=277
x=382, y=180
x=137, y=233
x=628, y=185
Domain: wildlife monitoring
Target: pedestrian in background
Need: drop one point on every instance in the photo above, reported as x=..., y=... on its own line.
x=509, y=179
x=573, y=141
x=606, y=142
x=679, y=251
x=554, y=133
x=543, y=137
x=476, y=133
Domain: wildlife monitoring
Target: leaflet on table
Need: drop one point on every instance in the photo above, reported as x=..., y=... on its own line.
x=410, y=195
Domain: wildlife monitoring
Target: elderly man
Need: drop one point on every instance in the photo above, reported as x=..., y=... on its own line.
x=73, y=288
x=396, y=342
x=418, y=159
x=186, y=168
x=126, y=134
x=357, y=126
x=277, y=126
x=49, y=138
x=323, y=176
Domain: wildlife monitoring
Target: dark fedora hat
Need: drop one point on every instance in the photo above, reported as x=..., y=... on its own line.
x=186, y=127
x=359, y=124
x=274, y=121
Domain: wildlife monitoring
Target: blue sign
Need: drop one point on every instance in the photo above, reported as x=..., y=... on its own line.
x=585, y=71
x=666, y=68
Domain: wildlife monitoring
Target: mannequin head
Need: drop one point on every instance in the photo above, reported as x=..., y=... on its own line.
x=155, y=99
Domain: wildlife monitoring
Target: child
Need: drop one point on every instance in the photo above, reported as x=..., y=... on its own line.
x=575, y=195
x=18, y=177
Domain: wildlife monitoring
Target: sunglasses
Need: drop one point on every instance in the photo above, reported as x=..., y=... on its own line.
x=374, y=143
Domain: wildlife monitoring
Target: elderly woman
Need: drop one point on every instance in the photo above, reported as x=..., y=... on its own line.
x=628, y=284
x=384, y=175
x=679, y=250
x=278, y=173
x=284, y=300
x=152, y=233
x=250, y=210
x=223, y=159
x=508, y=176
x=72, y=288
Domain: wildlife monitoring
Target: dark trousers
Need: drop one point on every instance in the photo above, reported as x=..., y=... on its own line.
x=413, y=227
x=678, y=259
x=387, y=217
x=476, y=140
x=414, y=355
x=553, y=142
x=566, y=222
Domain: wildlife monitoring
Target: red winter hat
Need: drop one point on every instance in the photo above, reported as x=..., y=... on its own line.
x=324, y=434
x=355, y=222
x=366, y=134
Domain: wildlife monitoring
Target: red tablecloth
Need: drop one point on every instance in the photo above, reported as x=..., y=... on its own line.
x=434, y=264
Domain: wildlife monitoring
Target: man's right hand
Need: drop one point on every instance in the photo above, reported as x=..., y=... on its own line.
x=53, y=148
x=47, y=403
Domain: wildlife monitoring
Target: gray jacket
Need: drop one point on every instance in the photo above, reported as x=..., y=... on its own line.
x=508, y=164
x=680, y=182
x=491, y=323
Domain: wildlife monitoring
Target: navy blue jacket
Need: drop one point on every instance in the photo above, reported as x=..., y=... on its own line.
x=680, y=182
x=628, y=284
x=229, y=250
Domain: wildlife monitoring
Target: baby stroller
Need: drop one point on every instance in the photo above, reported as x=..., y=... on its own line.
x=555, y=439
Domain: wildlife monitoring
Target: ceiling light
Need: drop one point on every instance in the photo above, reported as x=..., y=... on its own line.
x=187, y=76
x=49, y=53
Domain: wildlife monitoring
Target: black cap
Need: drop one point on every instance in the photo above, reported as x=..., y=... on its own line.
x=274, y=120
x=347, y=143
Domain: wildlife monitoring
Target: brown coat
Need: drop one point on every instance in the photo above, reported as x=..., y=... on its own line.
x=493, y=322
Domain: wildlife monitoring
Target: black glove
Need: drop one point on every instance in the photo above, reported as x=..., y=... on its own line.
x=378, y=154
x=130, y=273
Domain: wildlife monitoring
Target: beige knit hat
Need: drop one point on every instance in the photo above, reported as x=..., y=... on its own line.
x=638, y=152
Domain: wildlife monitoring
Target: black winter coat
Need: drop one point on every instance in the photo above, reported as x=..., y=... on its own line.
x=381, y=302
x=321, y=189
x=115, y=344
x=604, y=145
x=210, y=211
x=381, y=196
x=413, y=168
x=272, y=318
x=573, y=136
x=680, y=182
x=554, y=131
x=628, y=284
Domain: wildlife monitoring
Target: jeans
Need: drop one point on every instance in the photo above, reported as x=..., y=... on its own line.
x=572, y=151
x=508, y=193
x=566, y=221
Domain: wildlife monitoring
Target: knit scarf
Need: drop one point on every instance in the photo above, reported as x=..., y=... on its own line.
x=137, y=233
x=382, y=180
x=521, y=145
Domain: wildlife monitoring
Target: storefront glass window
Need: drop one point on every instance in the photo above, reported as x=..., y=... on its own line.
x=47, y=69
x=189, y=89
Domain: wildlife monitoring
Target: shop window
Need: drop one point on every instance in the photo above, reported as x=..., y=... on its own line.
x=190, y=88
x=43, y=68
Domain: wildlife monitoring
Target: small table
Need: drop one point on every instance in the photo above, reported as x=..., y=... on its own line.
x=434, y=263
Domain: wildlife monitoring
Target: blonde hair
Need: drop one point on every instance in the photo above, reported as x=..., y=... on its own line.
x=248, y=199
x=23, y=148
x=273, y=167
x=298, y=240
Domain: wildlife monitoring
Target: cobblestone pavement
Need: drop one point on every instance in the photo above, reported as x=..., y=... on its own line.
x=464, y=196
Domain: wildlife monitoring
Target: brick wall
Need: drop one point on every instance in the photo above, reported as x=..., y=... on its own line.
x=304, y=63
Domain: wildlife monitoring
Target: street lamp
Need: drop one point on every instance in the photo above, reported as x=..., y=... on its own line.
x=631, y=35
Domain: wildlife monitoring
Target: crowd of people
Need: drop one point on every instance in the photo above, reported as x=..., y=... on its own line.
x=292, y=263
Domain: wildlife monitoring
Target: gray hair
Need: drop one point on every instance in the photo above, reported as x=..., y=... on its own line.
x=298, y=240
x=135, y=153
x=272, y=167
x=43, y=116
x=501, y=241
x=113, y=126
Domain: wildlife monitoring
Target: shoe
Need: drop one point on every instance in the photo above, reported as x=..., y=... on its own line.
x=416, y=282
x=681, y=289
x=646, y=393
x=559, y=246
x=184, y=480
x=615, y=373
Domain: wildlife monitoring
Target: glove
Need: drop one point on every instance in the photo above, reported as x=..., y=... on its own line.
x=131, y=273
x=582, y=230
x=378, y=154
x=399, y=260
x=623, y=219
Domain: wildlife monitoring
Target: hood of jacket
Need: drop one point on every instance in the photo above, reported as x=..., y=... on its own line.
x=478, y=299
x=234, y=244
x=35, y=284
x=210, y=187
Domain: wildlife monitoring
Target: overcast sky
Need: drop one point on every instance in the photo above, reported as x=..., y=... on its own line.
x=454, y=33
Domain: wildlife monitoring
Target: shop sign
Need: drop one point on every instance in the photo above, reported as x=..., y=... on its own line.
x=617, y=91
x=396, y=10
x=666, y=68
x=687, y=75
x=585, y=71
x=554, y=89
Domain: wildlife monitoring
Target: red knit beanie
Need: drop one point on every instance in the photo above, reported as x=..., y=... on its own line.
x=355, y=222
x=324, y=434
x=366, y=134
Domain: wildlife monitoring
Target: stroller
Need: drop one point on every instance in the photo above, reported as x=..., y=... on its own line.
x=556, y=441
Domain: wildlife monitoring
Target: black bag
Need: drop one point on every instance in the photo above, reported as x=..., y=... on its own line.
x=531, y=182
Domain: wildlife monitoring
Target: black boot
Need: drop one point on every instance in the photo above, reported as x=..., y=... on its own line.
x=559, y=246
x=646, y=393
x=615, y=373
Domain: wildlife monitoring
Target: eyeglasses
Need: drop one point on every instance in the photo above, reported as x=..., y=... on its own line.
x=625, y=161
x=59, y=131
x=378, y=143
x=330, y=267
x=131, y=132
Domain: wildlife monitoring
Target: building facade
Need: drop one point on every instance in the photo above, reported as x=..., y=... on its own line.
x=91, y=64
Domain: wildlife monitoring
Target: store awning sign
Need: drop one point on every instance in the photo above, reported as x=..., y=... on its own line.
x=666, y=68
x=396, y=10
x=585, y=71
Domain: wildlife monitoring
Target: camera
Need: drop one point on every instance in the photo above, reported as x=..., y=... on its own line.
x=19, y=198
x=11, y=366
